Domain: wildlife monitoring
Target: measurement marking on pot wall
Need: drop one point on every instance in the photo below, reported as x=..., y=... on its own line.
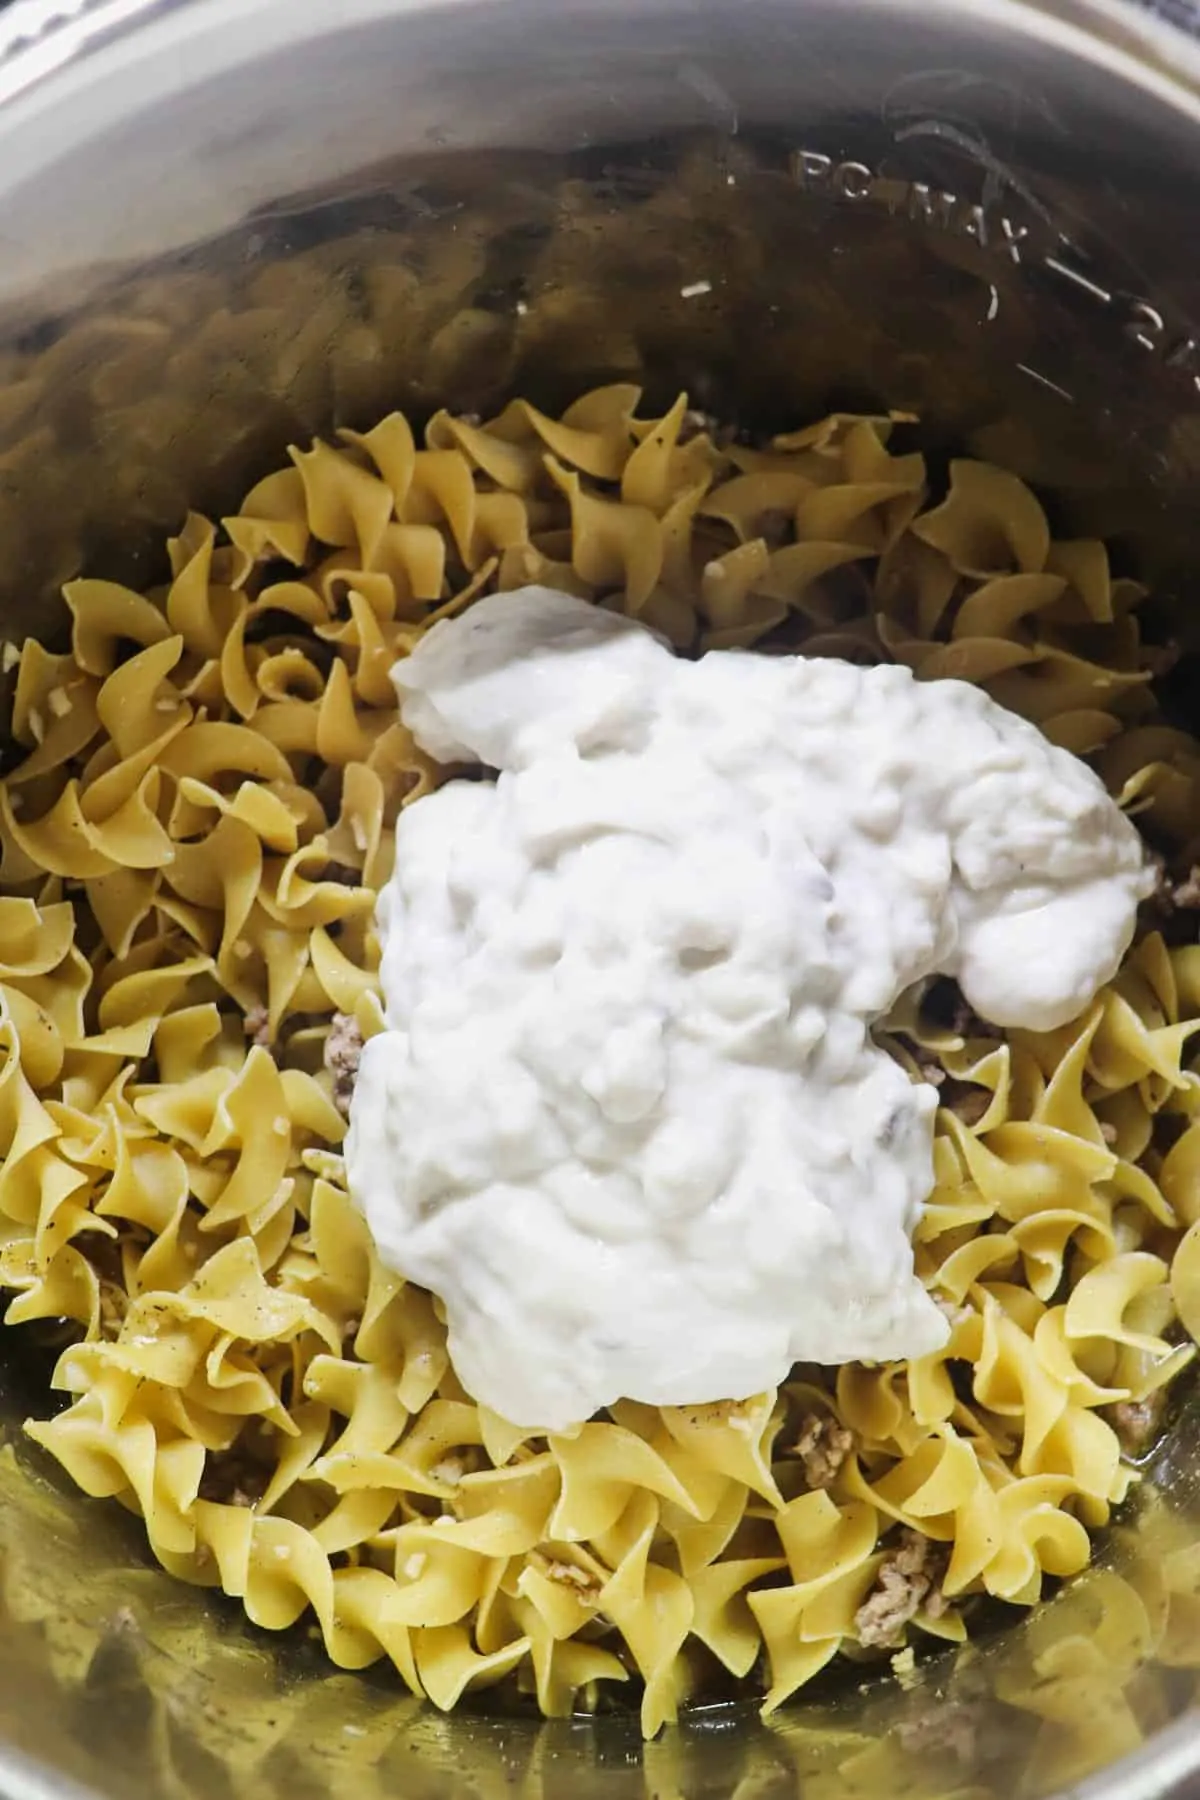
x=1045, y=381
x=997, y=233
x=1058, y=267
x=816, y=172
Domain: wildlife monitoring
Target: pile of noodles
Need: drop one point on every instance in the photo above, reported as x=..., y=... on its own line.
x=191, y=849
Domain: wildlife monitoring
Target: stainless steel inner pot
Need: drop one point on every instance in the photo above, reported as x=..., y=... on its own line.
x=228, y=224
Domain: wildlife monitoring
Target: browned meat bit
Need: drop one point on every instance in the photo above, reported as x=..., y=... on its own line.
x=946, y=1005
x=1137, y=1422
x=583, y=1583
x=966, y=1101
x=776, y=527
x=342, y=874
x=1185, y=894
x=963, y=1729
x=257, y=1026
x=909, y=1579
x=231, y=1478
x=570, y=1576
x=822, y=1446
x=343, y=1051
x=1173, y=893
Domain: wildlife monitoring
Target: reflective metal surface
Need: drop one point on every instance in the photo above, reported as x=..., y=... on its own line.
x=227, y=224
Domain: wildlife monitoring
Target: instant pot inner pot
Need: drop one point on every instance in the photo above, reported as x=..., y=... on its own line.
x=221, y=235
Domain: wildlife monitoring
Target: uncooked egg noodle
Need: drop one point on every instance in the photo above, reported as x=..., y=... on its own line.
x=192, y=845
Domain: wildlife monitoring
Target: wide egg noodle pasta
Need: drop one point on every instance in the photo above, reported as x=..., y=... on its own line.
x=192, y=843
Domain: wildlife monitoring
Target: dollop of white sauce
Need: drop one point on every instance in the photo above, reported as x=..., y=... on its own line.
x=627, y=1119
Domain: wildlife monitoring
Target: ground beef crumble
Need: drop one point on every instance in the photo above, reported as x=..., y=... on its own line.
x=822, y=1446
x=1137, y=1422
x=343, y=1051
x=967, y=1730
x=233, y=1478
x=909, y=1579
x=257, y=1026
x=775, y=527
x=568, y=1575
x=966, y=1100
x=1176, y=893
x=946, y=1005
x=1186, y=893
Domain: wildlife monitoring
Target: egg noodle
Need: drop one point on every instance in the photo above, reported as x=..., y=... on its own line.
x=191, y=849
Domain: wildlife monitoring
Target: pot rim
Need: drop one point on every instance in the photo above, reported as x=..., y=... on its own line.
x=43, y=38
x=44, y=45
